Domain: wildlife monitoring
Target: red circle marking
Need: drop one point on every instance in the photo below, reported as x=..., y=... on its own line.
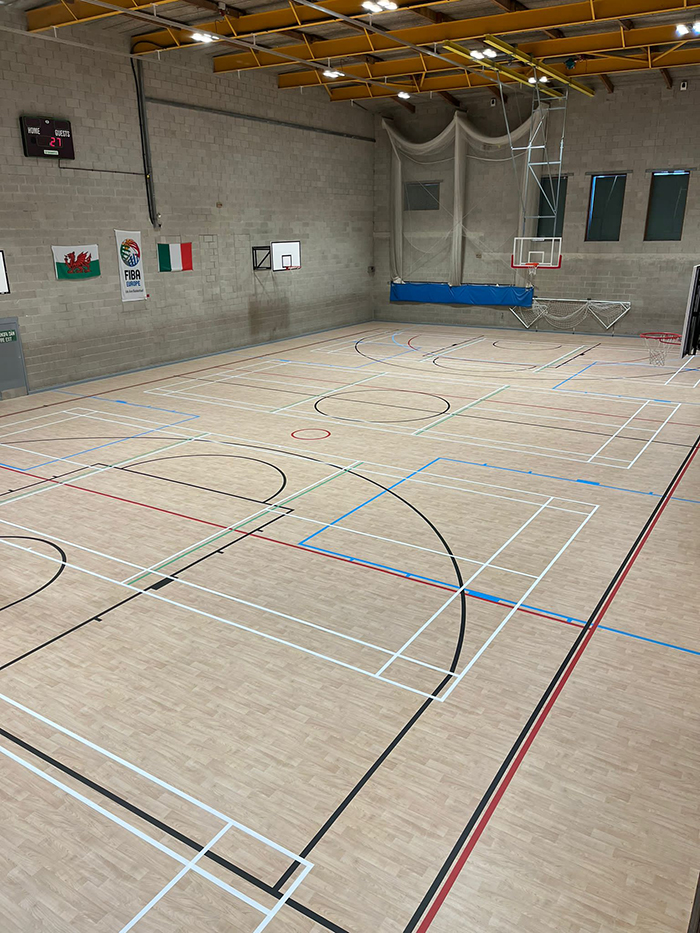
x=319, y=434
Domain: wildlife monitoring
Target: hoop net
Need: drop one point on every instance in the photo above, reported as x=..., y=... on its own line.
x=659, y=344
x=568, y=313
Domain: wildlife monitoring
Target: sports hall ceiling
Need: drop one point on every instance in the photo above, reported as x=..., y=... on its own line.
x=383, y=54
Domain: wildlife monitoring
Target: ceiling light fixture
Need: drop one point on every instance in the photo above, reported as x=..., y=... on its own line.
x=475, y=53
x=490, y=53
x=544, y=79
x=532, y=80
x=388, y=4
x=202, y=37
x=331, y=73
x=682, y=29
x=403, y=95
x=696, y=27
x=371, y=6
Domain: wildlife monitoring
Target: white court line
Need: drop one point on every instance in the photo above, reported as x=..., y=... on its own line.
x=401, y=471
x=196, y=586
x=244, y=521
x=171, y=884
x=59, y=483
x=445, y=351
x=325, y=394
x=37, y=453
x=562, y=357
x=425, y=625
x=613, y=436
x=237, y=625
x=598, y=424
x=132, y=829
x=519, y=603
x=97, y=415
x=11, y=424
x=681, y=367
x=37, y=426
x=451, y=414
x=653, y=437
x=183, y=795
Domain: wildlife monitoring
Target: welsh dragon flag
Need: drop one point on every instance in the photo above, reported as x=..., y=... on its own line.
x=174, y=257
x=76, y=262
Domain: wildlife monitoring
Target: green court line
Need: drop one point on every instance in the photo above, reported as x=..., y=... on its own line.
x=451, y=414
x=81, y=474
x=246, y=521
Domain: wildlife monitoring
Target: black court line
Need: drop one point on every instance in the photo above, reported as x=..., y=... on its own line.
x=516, y=746
x=694, y=925
x=99, y=616
x=413, y=719
x=40, y=482
x=166, y=828
x=48, y=583
x=219, y=492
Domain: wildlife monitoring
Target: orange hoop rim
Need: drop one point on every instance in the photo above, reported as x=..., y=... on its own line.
x=662, y=337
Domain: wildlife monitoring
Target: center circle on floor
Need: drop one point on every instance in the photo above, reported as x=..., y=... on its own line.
x=382, y=406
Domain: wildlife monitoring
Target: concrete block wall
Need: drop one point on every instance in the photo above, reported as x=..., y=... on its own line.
x=642, y=126
x=222, y=183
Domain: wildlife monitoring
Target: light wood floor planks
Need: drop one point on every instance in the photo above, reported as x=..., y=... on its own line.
x=381, y=630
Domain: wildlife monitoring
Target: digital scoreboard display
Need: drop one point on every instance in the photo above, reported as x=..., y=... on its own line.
x=44, y=136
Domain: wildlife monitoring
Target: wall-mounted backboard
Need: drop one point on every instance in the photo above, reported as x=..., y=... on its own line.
x=286, y=256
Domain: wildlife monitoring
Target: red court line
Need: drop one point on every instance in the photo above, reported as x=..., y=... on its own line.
x=537, y=725
x=135, y=385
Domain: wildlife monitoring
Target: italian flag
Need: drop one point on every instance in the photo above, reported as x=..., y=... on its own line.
x=174, y=257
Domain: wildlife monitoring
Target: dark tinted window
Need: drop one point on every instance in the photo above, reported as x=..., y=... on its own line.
x=605, y=207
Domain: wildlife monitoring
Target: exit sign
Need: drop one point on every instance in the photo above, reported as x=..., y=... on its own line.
x=46, y=136
x=8, y=336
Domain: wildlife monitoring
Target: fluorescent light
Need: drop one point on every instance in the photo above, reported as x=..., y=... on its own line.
x=544, y=79
x=371, y=6
x=403, y=95
x=475, y=53
x=388, y=4
x=490, y=53
x=202, y=37
x=331, y=73
x=696, y=27
x=532, y=80
x=682, y=29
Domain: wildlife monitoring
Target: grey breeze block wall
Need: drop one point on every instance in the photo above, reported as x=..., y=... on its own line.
x=223, y=184
x=642, y=126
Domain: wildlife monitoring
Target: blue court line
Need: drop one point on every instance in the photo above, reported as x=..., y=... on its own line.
x=501, y=601
x=566, y=479
x=102, y=446
x=378, y=495
x=121, y=401
x=573, y=376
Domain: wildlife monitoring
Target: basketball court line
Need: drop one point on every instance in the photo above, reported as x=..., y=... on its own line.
x=229, y=822
x=452, y=867
x=162, y=378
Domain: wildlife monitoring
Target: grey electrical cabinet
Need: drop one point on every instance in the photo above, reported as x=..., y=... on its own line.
x=13, y=375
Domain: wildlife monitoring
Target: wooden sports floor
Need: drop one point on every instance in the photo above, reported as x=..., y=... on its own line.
x=380, y=630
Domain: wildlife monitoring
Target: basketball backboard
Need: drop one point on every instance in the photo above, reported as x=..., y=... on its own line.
x=536, y=252
x=286, y=255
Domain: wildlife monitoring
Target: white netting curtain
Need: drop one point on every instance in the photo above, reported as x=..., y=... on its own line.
x=427, y=241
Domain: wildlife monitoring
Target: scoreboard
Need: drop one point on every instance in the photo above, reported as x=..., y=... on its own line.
x=45, y=136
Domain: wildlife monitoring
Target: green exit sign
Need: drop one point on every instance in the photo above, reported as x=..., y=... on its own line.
x=7, y=336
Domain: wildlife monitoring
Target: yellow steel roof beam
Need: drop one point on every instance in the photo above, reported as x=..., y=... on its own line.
x=598, y=66
x=598, y=43
x=550, y=17
x=535, y=63
x=497, y=68
x=79, y=11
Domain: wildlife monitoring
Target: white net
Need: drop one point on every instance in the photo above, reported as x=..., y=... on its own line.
x=659, y=346
x=569, y=313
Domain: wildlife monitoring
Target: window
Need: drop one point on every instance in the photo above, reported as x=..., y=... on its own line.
x=549, y=222
x=421, y=196
x=667, y=197
x=605, y=207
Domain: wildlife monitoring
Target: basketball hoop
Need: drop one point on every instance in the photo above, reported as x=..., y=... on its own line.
x=658, y=344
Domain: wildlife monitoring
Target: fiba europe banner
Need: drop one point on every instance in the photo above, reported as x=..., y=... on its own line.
x=129, y=259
